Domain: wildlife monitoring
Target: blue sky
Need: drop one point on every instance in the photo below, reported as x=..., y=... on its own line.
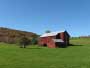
x=40, y=15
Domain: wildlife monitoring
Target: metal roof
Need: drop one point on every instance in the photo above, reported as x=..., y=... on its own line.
x=58, y=40
x=51, y=34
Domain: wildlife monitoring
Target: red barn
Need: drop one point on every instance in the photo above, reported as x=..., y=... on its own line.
x=55, y=39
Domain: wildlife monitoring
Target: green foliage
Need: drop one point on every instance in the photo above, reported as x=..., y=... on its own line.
x=47, y=31
x=34, y=41
x=24, y=41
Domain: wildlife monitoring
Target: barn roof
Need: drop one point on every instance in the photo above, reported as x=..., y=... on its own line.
x=51, y=33
x=58, y=40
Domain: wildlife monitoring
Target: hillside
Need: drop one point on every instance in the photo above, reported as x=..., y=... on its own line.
x=10, y=35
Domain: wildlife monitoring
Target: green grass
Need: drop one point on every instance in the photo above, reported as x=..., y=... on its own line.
x=77, y=56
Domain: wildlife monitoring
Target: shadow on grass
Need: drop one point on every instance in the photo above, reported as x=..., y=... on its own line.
x=74, y=45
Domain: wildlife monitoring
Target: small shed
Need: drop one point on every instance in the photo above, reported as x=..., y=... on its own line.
x=55, y=39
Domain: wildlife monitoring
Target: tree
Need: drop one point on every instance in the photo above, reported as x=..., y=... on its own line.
x=34, y=41
x=47, y=31
x=24, y=41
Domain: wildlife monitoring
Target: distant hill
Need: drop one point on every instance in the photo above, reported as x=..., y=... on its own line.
x=11, y=35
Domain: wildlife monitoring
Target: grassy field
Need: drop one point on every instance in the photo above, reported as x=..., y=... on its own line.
x=76, y=56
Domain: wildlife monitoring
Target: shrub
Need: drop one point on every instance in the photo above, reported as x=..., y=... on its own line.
x=34, y=41
x=24, y=41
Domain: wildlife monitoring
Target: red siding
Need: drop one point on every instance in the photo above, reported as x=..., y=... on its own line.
x=62, y=36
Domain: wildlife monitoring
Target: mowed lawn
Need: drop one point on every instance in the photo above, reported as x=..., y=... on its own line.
x=77, y=56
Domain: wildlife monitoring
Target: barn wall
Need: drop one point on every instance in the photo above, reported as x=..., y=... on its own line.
x=42, y=41
x=66, y=38
x=48, y=41
x=62, y=36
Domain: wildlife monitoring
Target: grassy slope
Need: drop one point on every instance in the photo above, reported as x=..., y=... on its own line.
x=77, y=56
